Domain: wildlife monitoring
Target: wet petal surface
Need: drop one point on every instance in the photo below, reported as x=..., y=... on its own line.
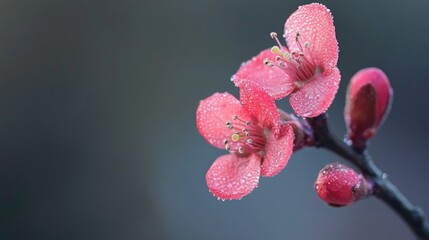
x=212, y=115
x=316, y=95
x=316, y=27
x=232, y=177
x=278, y=152
x=272, y=79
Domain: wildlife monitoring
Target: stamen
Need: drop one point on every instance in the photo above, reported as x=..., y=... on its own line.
x=299, y=65
x=274, y=36
x=245, y=136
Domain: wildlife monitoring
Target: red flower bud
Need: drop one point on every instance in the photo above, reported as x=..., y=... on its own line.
x=368, y=99
x=339, y=185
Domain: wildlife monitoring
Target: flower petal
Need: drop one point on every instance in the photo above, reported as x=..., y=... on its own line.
x=316, y=27
x=260, y=105
x=278, y=152
x=212, y=114
x=272, y=79
x=232, y=177
x=316, y=95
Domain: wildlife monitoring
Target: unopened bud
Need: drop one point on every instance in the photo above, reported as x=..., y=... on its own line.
x=339, y=185
x=367, y=103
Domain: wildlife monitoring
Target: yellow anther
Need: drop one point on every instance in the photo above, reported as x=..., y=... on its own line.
x=275, y=50
x=235, y=137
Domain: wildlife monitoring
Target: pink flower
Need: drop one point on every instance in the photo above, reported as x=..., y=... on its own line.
x=250, y=130
x=305, y=69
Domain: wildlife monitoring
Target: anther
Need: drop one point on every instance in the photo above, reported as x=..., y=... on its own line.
x=278, y=58
x=275, y=50
x=234, y=117
x=274, y=36
x=235, y=137
x=225, y=141
x=227, y=147
x=247, y=123
x=240, y=150
x=306, y=44
x=268, y=63
x=249, y=141
x=244, y=130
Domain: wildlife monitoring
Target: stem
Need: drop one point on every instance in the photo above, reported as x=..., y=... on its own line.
x=383, y=189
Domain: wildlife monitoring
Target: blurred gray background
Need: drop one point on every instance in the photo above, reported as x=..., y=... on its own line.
x=97, y=119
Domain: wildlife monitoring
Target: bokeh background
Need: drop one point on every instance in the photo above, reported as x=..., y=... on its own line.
x=97, y=119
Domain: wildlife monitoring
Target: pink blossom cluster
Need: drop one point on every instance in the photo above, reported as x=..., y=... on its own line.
x=259, y=140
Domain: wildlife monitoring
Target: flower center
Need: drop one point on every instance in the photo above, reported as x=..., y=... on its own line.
x=298, y=65
x=246, y=136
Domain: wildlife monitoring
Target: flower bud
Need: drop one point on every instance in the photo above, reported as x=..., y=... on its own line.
x=339, y=185
x=367, y=103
